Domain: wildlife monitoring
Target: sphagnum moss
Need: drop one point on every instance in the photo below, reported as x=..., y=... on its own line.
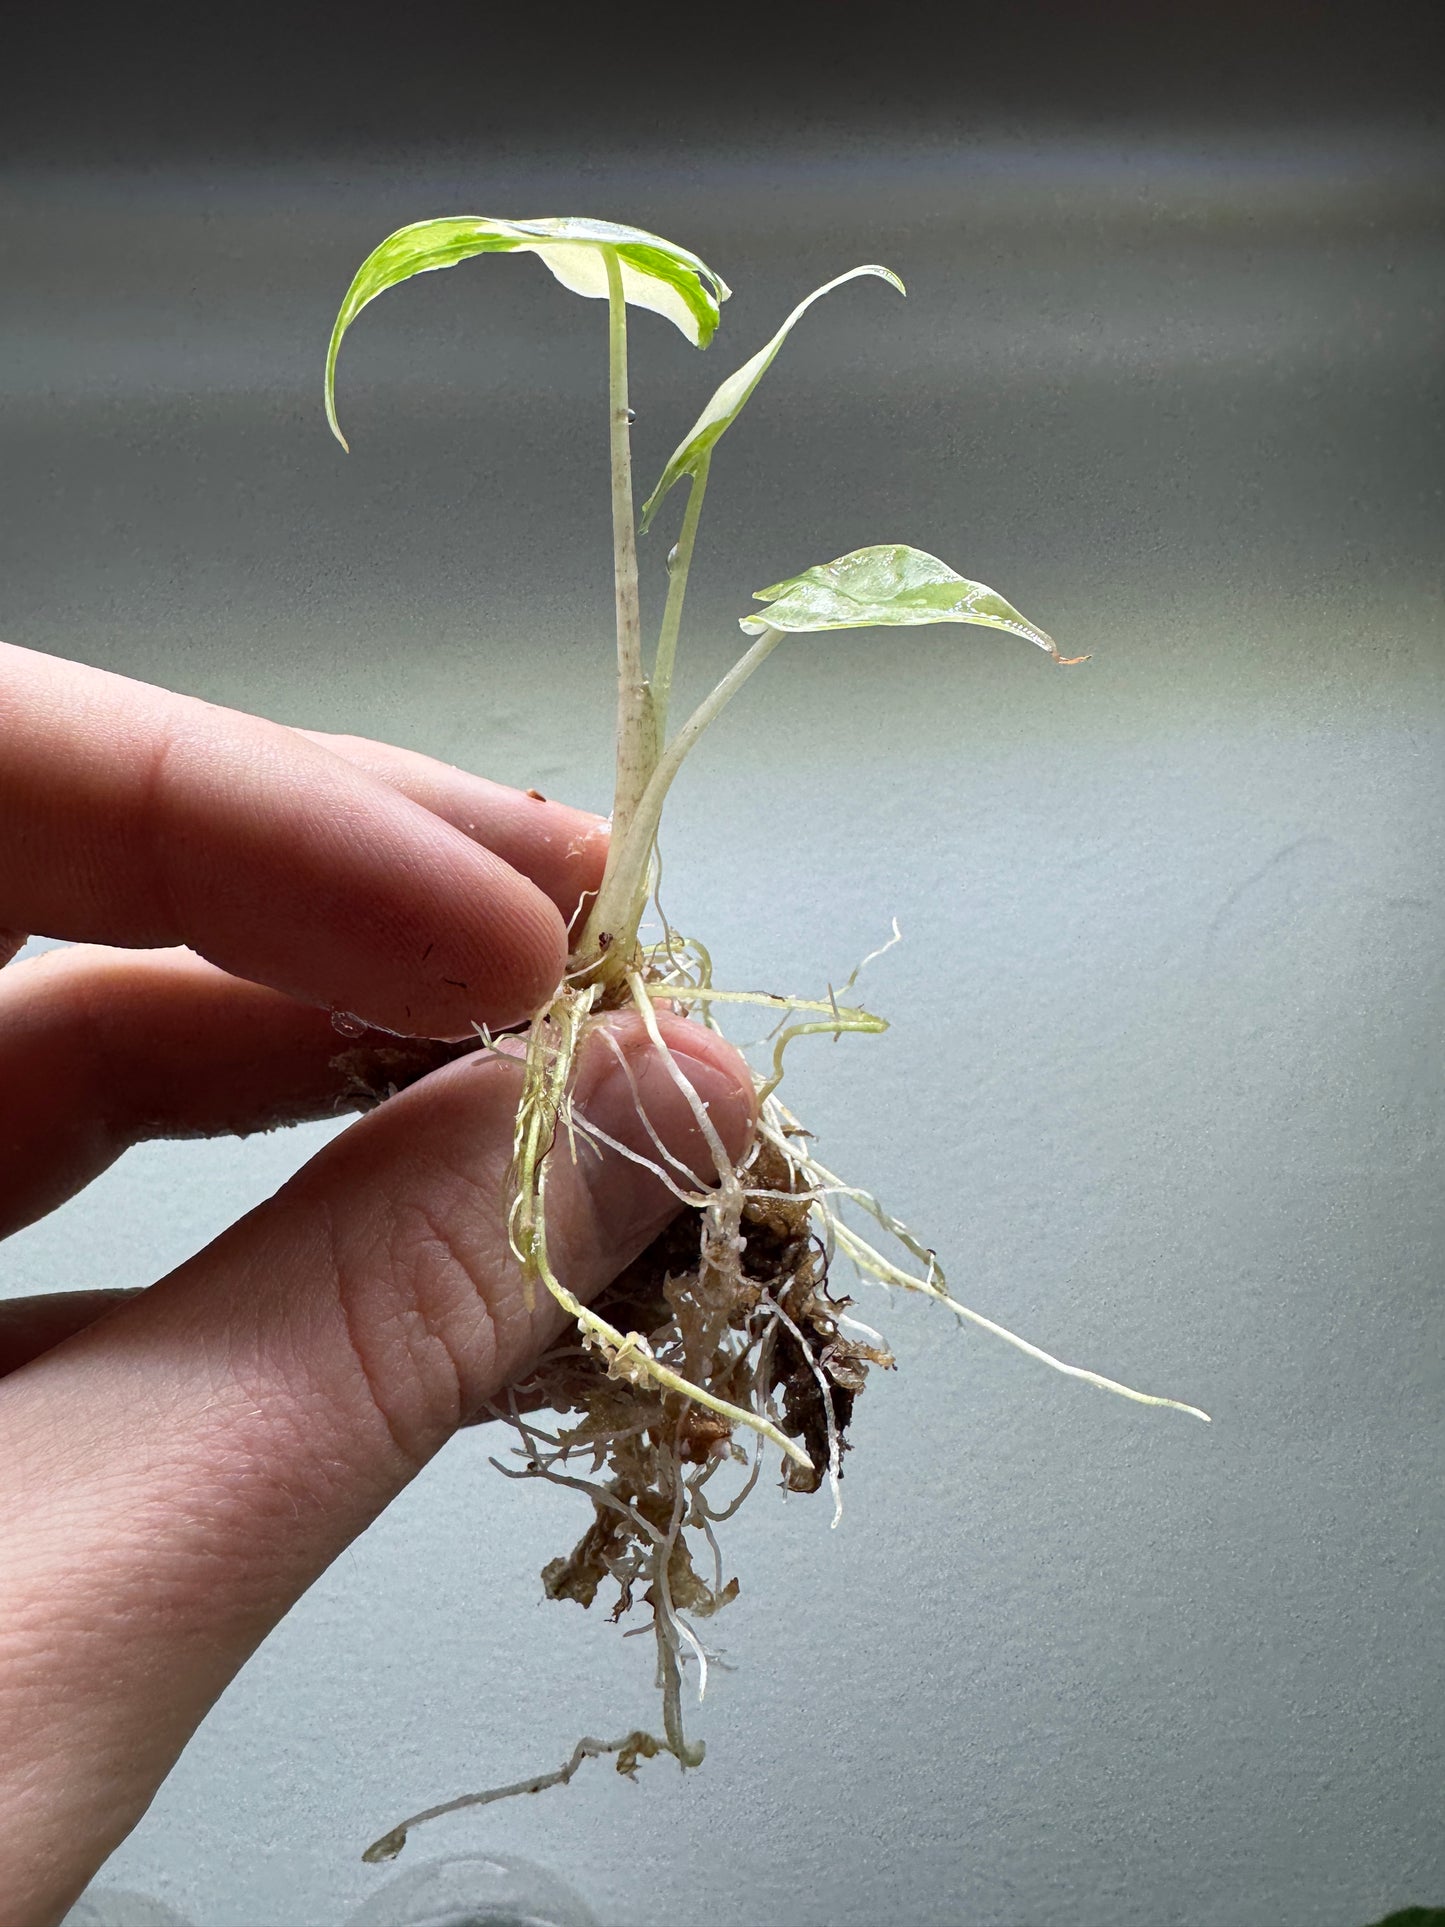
x=725, y=1337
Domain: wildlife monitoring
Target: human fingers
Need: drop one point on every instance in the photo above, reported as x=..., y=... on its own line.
x=561, y=849
x=101, y=1049
x=30, y=1326
x=173, y=1477
x=139, y=817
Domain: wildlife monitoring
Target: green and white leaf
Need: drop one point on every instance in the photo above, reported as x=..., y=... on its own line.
x=656, y=274
x=728, y=403
x=889, y=586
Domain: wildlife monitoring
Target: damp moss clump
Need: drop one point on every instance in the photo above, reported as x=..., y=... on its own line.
x=730, y=1339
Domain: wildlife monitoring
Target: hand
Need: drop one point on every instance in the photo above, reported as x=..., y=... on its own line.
x=176, y=1469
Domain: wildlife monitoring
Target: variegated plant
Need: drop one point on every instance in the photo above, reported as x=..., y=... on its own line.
x=888, y=585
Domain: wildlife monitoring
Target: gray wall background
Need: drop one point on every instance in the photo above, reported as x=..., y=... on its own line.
x=1163, y=1082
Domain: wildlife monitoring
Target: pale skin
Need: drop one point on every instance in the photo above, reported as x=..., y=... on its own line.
x=178, y=1465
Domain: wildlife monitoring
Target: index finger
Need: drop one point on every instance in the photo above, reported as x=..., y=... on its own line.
x=130, y=815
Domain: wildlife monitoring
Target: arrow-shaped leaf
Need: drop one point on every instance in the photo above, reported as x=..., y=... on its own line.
x=728, y=403
x=889, y=586
x=655, y=273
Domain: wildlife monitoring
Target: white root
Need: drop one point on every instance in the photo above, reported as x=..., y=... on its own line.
x=872, y=1263
x=630, y=1748
x=835, y=1450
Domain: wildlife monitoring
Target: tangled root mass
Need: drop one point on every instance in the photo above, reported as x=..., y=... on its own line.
x=722, y=1337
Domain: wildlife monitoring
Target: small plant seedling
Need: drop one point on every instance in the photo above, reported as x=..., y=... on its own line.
x=724, y=1338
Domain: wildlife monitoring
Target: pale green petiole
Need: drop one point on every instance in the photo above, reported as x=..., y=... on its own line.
x=887, y=586
x=623, y=896
x=636, y=728
x=679, y=562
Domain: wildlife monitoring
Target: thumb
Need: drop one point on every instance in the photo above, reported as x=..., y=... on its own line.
x=175, y=1476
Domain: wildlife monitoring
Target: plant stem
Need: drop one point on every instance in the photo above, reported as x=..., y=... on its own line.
x=676, y=596
x=637, y=737
x=623, y=896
